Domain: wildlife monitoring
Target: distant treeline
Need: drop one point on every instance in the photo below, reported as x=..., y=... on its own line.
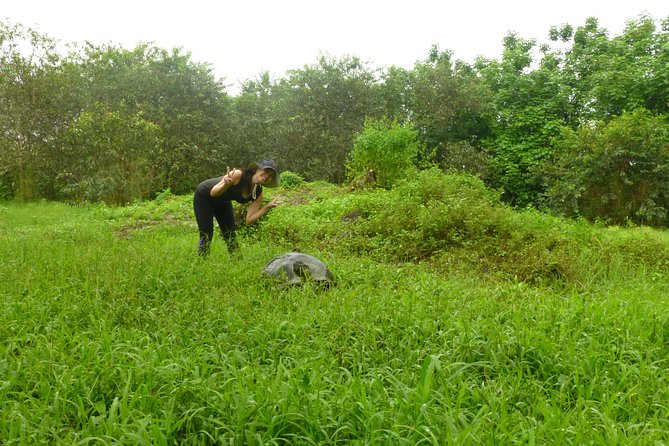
x=577, y=125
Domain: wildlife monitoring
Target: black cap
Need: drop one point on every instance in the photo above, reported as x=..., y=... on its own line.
x=268, y=164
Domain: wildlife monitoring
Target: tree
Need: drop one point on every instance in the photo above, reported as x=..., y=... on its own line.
x=531, y=106
x=255, y=122
x=618, y=171
x=449, y=104
x=179, y=96
x=33, y=111
x=111, y=157
x=43, y=98
x=609, y=76
x=320, y=109
x=393, y=94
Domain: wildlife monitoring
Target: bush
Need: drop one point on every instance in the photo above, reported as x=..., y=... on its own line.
x=290, y=179
x=455, y=223
x=390, y=150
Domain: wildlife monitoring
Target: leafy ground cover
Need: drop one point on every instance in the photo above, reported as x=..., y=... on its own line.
x=486, y=326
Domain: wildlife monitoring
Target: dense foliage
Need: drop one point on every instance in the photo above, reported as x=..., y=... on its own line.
x=617, y=171
x=456, y=222
x=539, y=124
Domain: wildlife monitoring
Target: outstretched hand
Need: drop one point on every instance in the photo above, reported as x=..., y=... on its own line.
x=275, y=202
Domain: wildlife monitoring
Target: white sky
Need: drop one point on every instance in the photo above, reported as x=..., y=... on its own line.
x=240, y=38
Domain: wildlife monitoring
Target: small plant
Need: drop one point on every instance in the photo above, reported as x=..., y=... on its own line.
x=163, y=195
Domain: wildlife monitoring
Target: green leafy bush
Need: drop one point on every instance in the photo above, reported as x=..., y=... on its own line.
x=390, y=150
x=290, y=179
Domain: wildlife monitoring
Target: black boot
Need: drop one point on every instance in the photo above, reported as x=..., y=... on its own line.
x=231, y=241
x=203, y=246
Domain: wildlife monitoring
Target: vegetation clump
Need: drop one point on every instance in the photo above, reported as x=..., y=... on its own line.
x=389, y=150
x=455, y=222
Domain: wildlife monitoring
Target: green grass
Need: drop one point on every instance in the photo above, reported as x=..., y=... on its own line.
x=112, y=331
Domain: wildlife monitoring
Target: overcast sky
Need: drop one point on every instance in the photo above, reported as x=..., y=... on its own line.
x=241, y=38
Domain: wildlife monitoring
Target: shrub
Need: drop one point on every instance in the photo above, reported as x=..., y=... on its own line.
x=454, y=222
x=390, y=150
x=428, y=217
x=290, y=179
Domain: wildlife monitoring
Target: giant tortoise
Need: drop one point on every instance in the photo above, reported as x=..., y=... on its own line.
x=294, y=268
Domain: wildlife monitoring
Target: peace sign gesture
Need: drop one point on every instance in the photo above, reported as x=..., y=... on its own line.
x=274, y=203
x=227, y=178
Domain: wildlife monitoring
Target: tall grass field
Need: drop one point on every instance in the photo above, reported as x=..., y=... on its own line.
x=453, y=320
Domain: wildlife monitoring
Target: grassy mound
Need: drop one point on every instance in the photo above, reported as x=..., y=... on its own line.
x=456, y=224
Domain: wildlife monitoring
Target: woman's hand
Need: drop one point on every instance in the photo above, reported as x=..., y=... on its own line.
x=227, y=180
x=256, y=210
x=275, y=202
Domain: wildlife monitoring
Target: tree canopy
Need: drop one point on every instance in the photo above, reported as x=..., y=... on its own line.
x=575, y=125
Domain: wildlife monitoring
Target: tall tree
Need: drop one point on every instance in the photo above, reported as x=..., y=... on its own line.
x=255, y=122
x=531, y=105
x=609, y=76
x=321, y=108
x=393, y=94
x=32, y=112
x=617, y=170
x=447, y=101
x=451, y=108
x=181, y=97
x=111, y=157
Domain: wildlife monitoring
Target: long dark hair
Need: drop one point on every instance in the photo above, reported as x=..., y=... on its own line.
x=247, y=175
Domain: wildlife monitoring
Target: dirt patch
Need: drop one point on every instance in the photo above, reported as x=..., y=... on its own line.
x=126, y=231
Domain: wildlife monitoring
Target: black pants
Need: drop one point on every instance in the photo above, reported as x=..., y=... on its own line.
x=206, y=210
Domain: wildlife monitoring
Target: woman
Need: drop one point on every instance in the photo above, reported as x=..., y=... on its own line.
x=213, y=199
